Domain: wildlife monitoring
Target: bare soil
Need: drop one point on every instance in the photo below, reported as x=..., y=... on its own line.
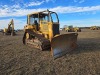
x=18, y=59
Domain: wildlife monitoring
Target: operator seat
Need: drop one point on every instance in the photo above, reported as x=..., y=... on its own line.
x=36, y=23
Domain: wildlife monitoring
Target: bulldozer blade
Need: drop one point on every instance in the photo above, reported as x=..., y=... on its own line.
x=62, y=44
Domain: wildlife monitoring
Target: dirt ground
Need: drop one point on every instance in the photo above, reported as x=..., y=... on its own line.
x=18, y=59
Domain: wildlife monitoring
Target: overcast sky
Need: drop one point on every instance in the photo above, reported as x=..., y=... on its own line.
x=71, y=12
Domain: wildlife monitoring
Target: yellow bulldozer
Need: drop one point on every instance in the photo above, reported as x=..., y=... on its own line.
x=65, y=28
x=42, y=32
x=71, y=29
x=77, y=29
x=10, y=29
x=94, y=28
